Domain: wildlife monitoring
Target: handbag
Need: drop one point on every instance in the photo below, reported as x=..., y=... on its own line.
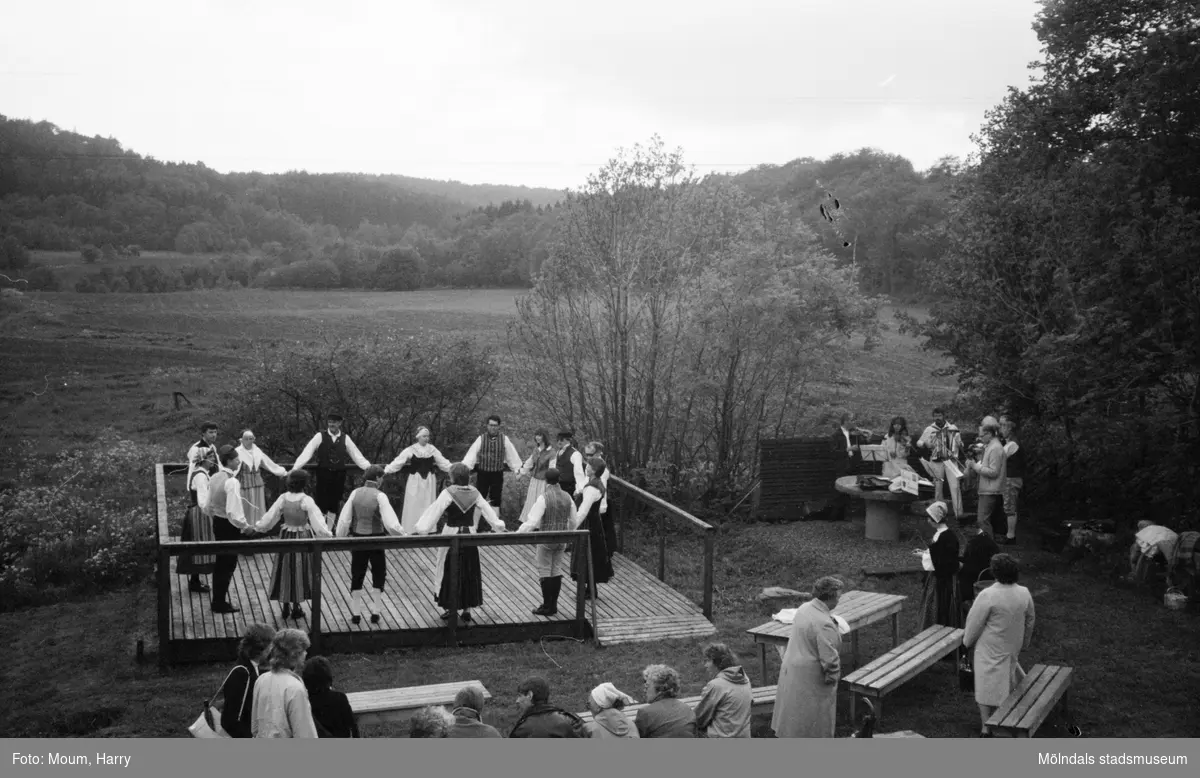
x=966, y=671
x=208, y=724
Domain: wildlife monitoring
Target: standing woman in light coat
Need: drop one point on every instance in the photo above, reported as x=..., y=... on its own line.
x=999, y=626
x=806, y=703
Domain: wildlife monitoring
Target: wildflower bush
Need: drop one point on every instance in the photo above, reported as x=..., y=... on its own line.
x=79, y=522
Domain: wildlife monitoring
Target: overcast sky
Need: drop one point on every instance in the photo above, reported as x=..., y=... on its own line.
x=534, y=92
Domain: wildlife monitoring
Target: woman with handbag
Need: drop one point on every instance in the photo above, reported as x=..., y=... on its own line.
x=281, y=708
x=233, y=699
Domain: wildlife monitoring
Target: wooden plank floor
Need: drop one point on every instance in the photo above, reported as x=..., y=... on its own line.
x=635, y=606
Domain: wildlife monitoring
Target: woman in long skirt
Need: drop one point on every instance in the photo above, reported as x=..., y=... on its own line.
x=589, y=513
x=535, y=467
x=254, y=495
x=197, y=526
x=462, y=505
x=940, y=602
x=292, y=580
x=418, y=464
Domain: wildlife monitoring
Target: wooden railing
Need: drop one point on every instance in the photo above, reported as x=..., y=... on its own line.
x=168, y=547
x=631, y=496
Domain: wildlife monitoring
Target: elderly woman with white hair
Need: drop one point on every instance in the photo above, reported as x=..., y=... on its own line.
x=418, y=465
x=609, y=720
x=664, y=715
x=281, y=705
x=254, y=461
x=806, y=701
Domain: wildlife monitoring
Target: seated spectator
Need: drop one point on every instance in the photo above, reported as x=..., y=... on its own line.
x=724, y=707
x=609, y=720
x=540, y=718
x=330, y=708
x=468, y=713
x=665, y=715
x=431, y=721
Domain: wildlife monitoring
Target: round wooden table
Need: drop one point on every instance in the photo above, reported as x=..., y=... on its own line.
x=883, y=507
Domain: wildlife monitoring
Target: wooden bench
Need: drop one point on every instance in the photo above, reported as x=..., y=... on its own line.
x=761, y=696
x=906, y=661
x=1032, y=702
x=391, y=705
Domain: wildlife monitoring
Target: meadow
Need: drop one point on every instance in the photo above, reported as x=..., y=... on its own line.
x=74, y=364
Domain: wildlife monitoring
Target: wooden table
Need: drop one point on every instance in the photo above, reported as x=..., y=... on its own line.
x=883, y=507
x=858, y=609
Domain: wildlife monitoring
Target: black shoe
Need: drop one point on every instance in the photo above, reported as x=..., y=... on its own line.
x=356, y=619
x=446, y=615
x=466, y=617
x=1010, y=541
x=287, y=611
x=198, y=586
x=297, y=612
x=225, y=607
x=374, y=618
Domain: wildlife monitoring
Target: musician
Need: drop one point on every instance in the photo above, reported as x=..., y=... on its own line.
x=846, y=448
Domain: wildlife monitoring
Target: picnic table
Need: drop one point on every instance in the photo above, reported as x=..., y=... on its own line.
x=858, y=608
x=882, y=506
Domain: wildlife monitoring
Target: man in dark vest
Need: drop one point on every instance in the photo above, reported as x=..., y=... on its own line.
x=569, y=464
x=551, y=512
x=368, y=513
x=335, y=452
x=229, y=523
x=489, y=456
x=204, y=450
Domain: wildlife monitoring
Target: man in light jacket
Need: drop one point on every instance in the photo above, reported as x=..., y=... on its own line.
x=992, y=471
x=725, y=704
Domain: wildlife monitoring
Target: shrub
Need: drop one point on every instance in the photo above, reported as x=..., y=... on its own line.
x=90, y=254
x=399, y=270
x=310, y=274
x=13, y=254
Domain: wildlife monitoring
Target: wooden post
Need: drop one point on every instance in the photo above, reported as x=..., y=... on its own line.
x=314, y=634
x=451, y=579
x=163, y=574
x=662, y=546
x=709, y=549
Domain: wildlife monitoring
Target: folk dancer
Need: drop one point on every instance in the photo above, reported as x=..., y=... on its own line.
x=540, y=461
x=254, y=460
x=462, y=505
x=942, y=443
x=368, y=513
x=225, y=509
x=488, y=456
x=553, y=511
x=202, y=456
x=589, y=513
x=292, y=579
x=334, y=451
x=596, y=449
x=570, y=465
x=417, y=465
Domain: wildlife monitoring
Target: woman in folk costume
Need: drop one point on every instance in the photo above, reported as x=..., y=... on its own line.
x=368, y=513
x=462, y=505
x=553, y=511
x=418, y=463
x=999, y=626
x=589, y=514
x=197, y=526
x=596, y=449
x=940, y=602
x=292, y=581
x=806, y=701
x=541, y=460
x=250, y=477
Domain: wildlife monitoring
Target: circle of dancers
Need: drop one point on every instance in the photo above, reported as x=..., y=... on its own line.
x=568, y=490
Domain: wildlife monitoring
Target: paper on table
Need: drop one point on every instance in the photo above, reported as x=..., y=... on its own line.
x=788, y=616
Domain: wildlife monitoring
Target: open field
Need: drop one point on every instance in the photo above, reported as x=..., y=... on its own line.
x=70, y=267
x=75, y=363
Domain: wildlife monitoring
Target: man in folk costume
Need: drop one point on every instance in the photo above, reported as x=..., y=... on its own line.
x=334, y=451
x=202, y=455
x=942, y=443
x=368, y=513
x=489, y=456
x=569, y=463
x=553, y=511
x=229, y=523
x=462, y=505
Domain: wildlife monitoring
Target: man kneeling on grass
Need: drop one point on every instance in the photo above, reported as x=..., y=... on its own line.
x=540, y=718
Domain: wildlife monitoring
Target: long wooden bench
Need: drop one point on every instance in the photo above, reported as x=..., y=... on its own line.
x=1032, y=702
x=885, y=674
x=391, y=705
x=761, y=696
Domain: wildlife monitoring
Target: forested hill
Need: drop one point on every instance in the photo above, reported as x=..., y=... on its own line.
x=60, y=190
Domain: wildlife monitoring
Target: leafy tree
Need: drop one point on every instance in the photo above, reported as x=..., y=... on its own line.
x=399, y=270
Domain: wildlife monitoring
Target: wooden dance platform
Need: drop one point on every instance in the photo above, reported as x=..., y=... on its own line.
x=635, y=606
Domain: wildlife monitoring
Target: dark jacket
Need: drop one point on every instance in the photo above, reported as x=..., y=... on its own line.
x=844, y=465
x=239, y=700
x=467, y=724
x=666, y=717
x=545, y=720
x=332, y=713
x=977, y=557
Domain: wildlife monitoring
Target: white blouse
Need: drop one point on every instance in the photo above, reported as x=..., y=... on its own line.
x=418, y=451
x=255, y=459
x=429, y=518
x=316, y=521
